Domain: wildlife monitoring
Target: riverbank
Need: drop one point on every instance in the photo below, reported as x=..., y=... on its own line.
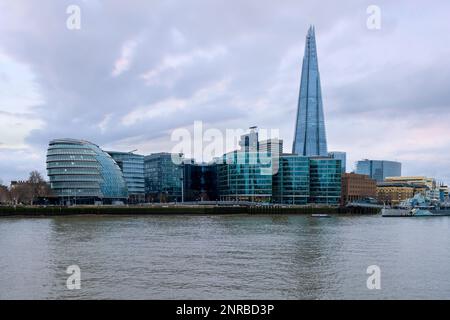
x=34, y=211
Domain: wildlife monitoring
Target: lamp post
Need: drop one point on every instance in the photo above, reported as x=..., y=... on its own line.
x=182, y=184
x=181, y=155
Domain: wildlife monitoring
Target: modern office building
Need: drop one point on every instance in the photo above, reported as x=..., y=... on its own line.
x=310, y=137
x=271, y=150
x=299, y=180
x=379, y=169
x=246, y=175
x=325, y=181
x=291, y=182
x=163, y=174
x=200, y=182
x=340, y=155
x=271, y=146
x=242, y=177
x=80, y=172
x=356, y=187
x=132, y=167
x=249, y=141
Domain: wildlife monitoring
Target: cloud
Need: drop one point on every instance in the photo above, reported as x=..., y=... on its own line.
x=132, y=74
x=169, y=107
x=123, y=63
x=19, y=93
x=171, y=64
x=16, y=164
x=15, y=128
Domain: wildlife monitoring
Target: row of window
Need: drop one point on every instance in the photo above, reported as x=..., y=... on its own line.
x=72, y=164
x=71, y=157
x=75, y=184
x=74, y=177
x=70, y=151
x=78, y=192
x=74, y=170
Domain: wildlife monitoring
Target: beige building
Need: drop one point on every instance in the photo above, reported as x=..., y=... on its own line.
x=416, y=180
x=391, y=193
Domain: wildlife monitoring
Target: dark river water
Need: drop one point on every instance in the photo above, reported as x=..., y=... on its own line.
x=225, y=257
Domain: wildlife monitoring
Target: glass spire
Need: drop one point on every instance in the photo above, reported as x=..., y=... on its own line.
x=310, y=138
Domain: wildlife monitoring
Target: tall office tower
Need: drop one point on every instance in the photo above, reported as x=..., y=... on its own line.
x=249, y=141
x=379, y=169
x=310, y=138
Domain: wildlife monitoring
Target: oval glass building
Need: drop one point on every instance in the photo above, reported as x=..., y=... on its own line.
x=80, y=172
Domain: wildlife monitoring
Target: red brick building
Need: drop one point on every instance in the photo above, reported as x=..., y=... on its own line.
x=357, y=187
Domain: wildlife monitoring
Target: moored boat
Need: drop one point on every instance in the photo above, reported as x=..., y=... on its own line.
x=413, y=212
x=418, y=206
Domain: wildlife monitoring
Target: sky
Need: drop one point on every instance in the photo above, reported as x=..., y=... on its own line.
x=136, y=71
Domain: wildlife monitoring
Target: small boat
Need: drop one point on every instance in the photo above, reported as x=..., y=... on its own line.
x=320, y=215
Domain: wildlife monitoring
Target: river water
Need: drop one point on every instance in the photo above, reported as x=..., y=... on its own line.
x=225, y=257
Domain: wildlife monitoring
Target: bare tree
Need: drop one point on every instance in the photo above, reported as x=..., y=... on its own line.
x=26, y=192
x=4, y=194
x=22, y=193
x=35, y=177
x=38, y=187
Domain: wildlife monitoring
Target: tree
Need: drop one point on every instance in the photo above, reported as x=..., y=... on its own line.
x=38, y=187
x=26, y=192
x=21, y=193
x=36, y=178
x=4, y=194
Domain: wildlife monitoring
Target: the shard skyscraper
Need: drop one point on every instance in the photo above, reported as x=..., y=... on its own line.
x=310, y=138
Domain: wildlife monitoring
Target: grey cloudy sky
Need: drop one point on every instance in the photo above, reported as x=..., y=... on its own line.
x=137, y=70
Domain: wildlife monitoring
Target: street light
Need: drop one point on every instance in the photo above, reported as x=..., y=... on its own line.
x=182, y=177
x=182, y=184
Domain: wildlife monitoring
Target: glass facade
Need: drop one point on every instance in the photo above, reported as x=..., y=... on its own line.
x=325, y=181
x=379, y=169
x=242, y=177
x=200, y=182
x=310, y=138
x=340, y=156
x=132, y=167
x=82, y=172
x=163, y=177
x=291, y=183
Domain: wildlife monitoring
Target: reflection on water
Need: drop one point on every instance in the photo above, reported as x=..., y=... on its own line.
x=224, y=257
